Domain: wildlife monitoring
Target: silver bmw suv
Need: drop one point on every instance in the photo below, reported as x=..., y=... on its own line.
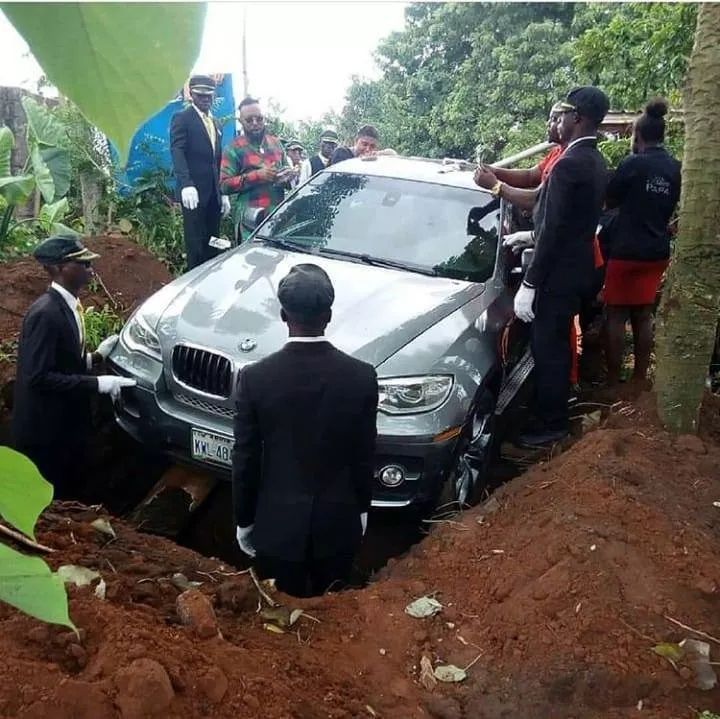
x=423, y=292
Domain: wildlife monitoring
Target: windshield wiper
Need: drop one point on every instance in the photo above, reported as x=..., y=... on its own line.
x=284, y=244
x=378, y=261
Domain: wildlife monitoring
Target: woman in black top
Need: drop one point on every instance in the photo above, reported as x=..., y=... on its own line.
x=645, y=190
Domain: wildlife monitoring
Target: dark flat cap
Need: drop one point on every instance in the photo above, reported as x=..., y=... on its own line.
x=62, y=248
x=202, y=84
x=330, y=136
x=589, y=101
x=306, y=290
x=294, y=145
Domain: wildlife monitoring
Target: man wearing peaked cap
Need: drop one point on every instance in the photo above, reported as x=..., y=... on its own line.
x=51, y=413
x=294, y=152
x=195, y=146
x=303, y=460
x=329, y=142
x=562, y=271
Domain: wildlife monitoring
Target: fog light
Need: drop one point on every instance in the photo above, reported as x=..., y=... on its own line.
x=392, y=475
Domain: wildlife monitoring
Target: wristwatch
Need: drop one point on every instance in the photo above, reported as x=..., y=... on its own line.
x=496, y=189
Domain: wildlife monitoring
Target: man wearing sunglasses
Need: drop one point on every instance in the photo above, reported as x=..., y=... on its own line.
x=51, y=413
x=254, y=166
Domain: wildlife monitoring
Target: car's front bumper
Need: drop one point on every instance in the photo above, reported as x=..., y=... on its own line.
x=160, y=422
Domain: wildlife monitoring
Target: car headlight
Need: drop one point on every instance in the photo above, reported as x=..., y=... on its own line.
x=138, y=336
x=411, y=395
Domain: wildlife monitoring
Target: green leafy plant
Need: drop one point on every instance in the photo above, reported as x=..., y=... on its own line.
x=127, y=60
x=99, y=324
x=26, y=582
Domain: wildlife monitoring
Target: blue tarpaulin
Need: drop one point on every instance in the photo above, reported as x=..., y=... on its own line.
x=150, y=147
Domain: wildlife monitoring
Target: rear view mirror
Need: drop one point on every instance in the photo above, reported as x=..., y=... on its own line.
x=252, y=217
x=526, y=259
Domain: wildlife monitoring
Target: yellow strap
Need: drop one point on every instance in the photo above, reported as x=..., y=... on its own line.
x=210, y=127
x=81, y=313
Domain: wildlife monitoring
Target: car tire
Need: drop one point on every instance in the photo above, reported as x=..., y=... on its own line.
x=467, y=476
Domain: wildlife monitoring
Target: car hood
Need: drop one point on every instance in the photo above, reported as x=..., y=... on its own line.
x=377, y=311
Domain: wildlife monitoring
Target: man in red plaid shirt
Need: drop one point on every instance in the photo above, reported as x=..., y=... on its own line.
x=254, y=167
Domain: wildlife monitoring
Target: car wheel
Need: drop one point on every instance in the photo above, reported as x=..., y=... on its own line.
x=473, y=456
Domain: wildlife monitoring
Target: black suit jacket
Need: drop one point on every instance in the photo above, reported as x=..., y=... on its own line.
x=566, y=217
x=194, y=162
x=303, y=461
x=53, y=385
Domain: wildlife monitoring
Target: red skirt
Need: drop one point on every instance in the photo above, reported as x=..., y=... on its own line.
x=633, y=282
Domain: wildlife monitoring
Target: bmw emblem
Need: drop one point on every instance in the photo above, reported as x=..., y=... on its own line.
x=247, y=345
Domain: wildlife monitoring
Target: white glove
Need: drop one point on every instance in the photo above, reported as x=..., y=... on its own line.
x=243, y=539
x=107, y=346
x=523, y=305
x=112, y=385
x=189, y=197
x=519, y=241
x=363, y=522
x=225, y=205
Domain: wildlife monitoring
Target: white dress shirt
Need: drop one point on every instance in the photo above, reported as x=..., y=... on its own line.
x=306, y=168
x=72, y=303
x=307, y=340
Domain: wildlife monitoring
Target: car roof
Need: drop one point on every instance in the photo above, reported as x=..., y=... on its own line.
x=421, y=169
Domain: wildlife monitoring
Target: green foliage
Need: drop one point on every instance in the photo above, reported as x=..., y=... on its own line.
x=27, y=582
x=100, y=324
x=150, y=213
x=614, y=151
x=634, y=50
x=118, y=62
x=24, y=492
x=463, y=77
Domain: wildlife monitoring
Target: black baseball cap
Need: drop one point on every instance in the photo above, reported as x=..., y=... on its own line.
x=588, y=101
x=306, y=291
x=59, y=249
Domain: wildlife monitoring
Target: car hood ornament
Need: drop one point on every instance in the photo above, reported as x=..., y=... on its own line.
x=247, y=345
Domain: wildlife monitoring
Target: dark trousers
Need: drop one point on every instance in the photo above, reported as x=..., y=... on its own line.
x=61, y=465
x=199, y=225
x=309, y=578
x=551, y=353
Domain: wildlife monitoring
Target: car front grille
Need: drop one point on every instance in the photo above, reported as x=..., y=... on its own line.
x=202, y=370
x=205, y=406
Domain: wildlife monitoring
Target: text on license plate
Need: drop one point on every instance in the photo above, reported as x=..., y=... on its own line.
x=210, y=447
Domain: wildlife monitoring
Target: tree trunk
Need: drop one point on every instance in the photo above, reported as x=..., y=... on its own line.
x=91, y=187
x=688, y=314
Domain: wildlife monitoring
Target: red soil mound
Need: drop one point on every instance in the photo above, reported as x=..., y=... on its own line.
x=559, y=589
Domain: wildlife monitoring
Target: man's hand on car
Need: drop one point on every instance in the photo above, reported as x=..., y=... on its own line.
x=484, y=177
x=112, y=385
x=519, y=241
x=189, y=197
x=243, y=540
x=523, y=305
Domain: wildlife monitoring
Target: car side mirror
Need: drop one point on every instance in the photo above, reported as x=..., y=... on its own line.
x=526, y=259
x=252, y=217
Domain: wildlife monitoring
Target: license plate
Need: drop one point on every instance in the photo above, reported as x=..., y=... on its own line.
x=210, y=447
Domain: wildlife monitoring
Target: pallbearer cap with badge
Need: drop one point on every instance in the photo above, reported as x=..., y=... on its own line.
x=294, y=145
x=202, y=84
x=306, y=290
x=330, y=136
x=59, y=249
x=589, y=101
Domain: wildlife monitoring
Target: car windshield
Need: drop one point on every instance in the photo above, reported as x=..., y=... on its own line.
x=436, y=229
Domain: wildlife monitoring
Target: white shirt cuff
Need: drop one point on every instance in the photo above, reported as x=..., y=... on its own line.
x=88, y=359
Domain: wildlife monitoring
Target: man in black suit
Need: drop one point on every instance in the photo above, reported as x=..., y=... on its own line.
x=51, y=412
x=562, y=270
x=195, y=145
x=303, y=461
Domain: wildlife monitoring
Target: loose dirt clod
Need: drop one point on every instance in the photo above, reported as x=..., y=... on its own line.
x=196, y=611
x=144, y=689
